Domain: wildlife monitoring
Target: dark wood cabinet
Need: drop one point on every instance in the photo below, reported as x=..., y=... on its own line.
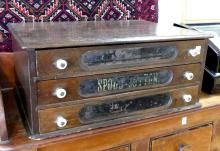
x=176, y=120
x=101, y=74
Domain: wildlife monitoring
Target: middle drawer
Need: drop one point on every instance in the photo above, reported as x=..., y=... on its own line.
x=82, y=88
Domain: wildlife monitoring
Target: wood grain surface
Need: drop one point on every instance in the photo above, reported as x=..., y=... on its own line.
x=47, y=117
x=72, y=85
x=135, y=133
x=46, y=68
x=72, y=34
x=192, y=140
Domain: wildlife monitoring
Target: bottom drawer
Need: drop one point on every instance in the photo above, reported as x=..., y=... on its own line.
x=198, y=139
x=117, y=110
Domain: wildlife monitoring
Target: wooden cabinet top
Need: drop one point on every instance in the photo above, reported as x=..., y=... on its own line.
x=73, y=34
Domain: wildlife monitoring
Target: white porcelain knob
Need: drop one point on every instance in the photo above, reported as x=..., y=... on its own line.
x=61, y=64
x=187, y=98
x=188, y=75
x=195, y=52
x=61, y=121
x=60, y=93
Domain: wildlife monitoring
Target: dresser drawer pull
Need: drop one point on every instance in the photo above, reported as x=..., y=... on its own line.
x=61, y=121
x=60, y=93
x=187, y=98
x=195, y=52
x=188, y=75
x=184, y=148
x=61, y=64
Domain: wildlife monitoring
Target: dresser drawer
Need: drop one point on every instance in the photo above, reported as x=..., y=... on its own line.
x=198, y=139
x=87, y=60
x=77, y=88
x=116, y=110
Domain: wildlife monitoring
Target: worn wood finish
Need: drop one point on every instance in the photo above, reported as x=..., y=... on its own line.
x=3, y=126
x=46, y=68
x=25, y=71
x=47, y=117
x=32, y=42
x=140, y=130
x=135, y=133
x=72, y=34
x=192, y=140
x=72, y=85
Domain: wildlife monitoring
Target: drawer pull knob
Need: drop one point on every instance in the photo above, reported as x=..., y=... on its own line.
x=60, y=93
x=61, y=121
x=195, y=52
x=184, y=148
x=188, y=75
x=187, y=98
x=61, y=64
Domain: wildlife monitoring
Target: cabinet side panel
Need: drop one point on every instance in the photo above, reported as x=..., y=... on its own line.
x=24, y=71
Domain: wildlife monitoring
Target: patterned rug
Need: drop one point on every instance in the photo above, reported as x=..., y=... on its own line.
x=71, y=10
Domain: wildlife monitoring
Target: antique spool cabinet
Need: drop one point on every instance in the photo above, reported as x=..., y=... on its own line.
x=119, y=86
x=104, y=73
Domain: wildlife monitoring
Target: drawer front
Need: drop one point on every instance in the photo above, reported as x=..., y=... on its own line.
x=116, y=110
x=67, y=62
x=198, y=139
x=77, y=88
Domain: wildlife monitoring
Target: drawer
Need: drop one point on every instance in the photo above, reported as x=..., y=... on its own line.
x=116, y=110
x=198, y=139
x=67, y=62
x=78, y=88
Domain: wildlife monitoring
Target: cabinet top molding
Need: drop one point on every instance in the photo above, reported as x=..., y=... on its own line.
x=73, y=34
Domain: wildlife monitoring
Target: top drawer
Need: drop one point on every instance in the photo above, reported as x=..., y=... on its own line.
x=67, y=62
